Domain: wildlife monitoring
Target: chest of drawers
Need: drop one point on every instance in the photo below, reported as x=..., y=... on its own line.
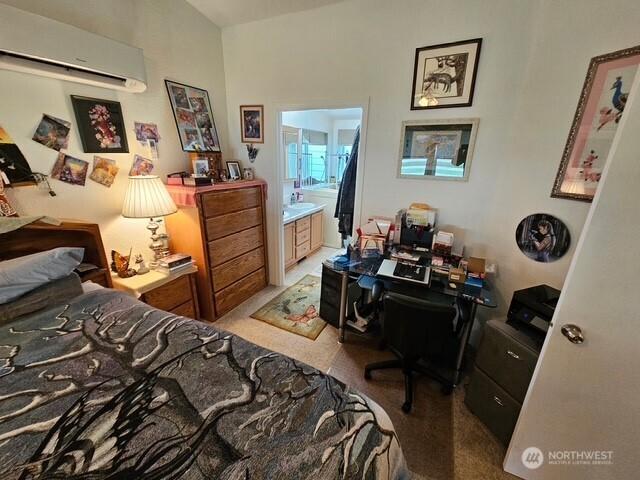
x=225, y=233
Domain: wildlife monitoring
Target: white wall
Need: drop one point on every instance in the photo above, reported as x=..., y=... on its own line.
x=532, y=66
x=178, y=42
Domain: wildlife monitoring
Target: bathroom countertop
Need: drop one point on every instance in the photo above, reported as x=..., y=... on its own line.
x=298, y=214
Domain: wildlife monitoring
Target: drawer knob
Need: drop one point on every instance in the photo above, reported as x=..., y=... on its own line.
x=513, y=354
x=498, y=400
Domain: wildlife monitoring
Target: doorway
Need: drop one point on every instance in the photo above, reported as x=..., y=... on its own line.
x=316, y=146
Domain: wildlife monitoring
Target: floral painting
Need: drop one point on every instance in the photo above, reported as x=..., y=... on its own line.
x=101, y=125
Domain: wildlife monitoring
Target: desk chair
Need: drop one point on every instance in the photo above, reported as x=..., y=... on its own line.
x=416, y=329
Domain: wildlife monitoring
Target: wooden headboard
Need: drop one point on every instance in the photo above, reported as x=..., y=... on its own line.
x=38, y=237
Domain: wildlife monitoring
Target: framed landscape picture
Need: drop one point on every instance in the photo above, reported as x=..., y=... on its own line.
x=101, y=125
x=600, y=108
x=445, y=75
x=252, y=123
x=194, y=117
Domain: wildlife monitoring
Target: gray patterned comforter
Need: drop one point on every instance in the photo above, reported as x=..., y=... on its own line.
x=108, y=387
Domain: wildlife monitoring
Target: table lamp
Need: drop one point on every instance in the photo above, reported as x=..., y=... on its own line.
x=147, y=197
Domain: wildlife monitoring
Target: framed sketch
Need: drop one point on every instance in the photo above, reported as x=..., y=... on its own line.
x=234, y=170
x=194, y=117
x=437, y=149
x=600, y=107
x=252, y=123
x=445, y=75
x=101, y=125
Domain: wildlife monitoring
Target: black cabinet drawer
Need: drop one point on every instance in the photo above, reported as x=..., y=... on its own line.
x=492, y=405
x=506, y=357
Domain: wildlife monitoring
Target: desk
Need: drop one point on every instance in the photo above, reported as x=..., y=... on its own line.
x=467, y=298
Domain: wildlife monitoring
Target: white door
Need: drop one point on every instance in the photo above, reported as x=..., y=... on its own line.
x=581, y=416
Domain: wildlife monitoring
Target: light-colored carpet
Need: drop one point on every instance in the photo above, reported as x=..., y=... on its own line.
x=296, y=309
x=440, y=438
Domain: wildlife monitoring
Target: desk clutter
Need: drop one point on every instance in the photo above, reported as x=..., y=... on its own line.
x=409, y=248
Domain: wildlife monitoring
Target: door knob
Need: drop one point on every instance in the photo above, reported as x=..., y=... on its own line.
x=573, y=333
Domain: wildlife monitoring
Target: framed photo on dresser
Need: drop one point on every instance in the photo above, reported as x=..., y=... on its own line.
x=194, y=117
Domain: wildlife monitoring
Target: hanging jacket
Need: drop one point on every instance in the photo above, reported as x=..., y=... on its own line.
x=347, y=191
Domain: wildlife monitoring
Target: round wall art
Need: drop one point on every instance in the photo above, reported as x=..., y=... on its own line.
x=542, y=237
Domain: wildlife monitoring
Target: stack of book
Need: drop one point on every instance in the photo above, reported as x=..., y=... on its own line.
x=174, y=263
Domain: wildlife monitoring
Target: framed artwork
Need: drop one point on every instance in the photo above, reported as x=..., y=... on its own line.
x=252, y=123
x=543, y=237
x=100, y=124
x=600, y=107
x=445, y=75
x=437, y=149
x=234, y=170
x=200, y=166
x=194, y=117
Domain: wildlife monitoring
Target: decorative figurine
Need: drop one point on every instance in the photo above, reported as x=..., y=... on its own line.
x=142, y=267
x=253, y=152
x=120, y=264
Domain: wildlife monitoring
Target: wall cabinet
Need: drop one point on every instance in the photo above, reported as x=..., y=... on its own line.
x=302, y=237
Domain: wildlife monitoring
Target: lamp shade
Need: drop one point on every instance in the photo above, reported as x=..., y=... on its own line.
x=147, y=197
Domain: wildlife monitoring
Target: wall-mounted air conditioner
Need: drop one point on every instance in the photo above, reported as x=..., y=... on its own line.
x=38, y=45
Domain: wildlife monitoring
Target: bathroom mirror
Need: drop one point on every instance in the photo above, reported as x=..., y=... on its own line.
x=437, y=149
x=291, y=150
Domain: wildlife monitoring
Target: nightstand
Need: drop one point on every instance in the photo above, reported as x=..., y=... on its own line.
x=175, y=293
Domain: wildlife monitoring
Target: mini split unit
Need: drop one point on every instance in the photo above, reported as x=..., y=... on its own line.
x=30, y=43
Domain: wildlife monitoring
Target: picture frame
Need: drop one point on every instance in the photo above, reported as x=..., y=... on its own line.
x=100, y=124
x=235, y=173
x=200, y=166
x=600, y=107
x=437, y=149
x=444, y=75
x=252, y=123
x=194, y=119
x=543, y=237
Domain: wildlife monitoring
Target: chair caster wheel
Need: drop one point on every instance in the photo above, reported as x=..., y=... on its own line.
x=406, y=407
x=446, y=389
x=367, y=375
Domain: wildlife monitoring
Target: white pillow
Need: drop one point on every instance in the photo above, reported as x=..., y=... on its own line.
x=23, y=274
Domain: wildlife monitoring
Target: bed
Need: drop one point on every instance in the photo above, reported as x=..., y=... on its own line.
x=104, y=386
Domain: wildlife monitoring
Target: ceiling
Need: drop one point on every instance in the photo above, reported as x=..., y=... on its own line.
x=225, y=13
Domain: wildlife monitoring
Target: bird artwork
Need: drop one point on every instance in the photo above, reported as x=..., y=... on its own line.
x=619, y=99
x=120, y=264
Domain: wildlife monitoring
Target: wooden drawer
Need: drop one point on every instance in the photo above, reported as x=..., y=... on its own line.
x=185, y=310
x=302, y=250
x=231, y=246
x=239, y=291
x=303, y=224
x=229, y=272
x=303, y=236
x=223, y=225
x=219, y=203
x=169, y=296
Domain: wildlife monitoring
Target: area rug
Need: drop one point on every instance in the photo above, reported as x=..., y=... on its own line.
x=296, y=309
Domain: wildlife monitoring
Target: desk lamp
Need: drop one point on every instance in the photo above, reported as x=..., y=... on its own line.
x=147, y=197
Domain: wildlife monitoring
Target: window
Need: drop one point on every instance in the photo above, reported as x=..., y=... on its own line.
x=314, y=157
x=345, y=145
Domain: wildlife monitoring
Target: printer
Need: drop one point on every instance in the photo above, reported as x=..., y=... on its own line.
x=531, y=310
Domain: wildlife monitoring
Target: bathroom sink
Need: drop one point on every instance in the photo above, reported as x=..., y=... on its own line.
x=285, y=215
x=302, y=206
